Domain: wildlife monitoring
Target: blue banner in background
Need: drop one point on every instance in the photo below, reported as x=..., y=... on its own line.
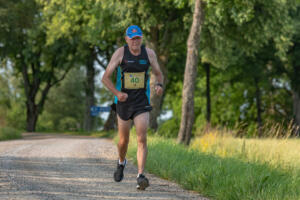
x=95, y=110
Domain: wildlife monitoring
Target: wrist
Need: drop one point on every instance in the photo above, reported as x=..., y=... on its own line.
x=159, y=84
x=117, y=93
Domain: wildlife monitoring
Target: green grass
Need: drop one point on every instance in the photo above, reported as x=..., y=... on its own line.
x=7, y=133
x=219, y=176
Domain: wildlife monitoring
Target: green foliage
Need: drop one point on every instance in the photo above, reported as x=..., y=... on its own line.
x=4, y=99
x=16, y=116
x=68, y=17
x=22, y=42
x=65, y=107
x=169, y=128
x=46, y=122
x=12, y=112
x=5, y=91
x=243, y=40
x=237, y=28
x=90, y=23
x=149, y=14
x=7, y=133
x=68, y=123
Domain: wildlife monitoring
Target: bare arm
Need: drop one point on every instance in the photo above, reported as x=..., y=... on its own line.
x=156, y=71
x=155, y=66
x=114, y=62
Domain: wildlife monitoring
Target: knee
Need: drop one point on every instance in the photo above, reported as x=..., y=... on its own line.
x=142, y=140
x=123, y=141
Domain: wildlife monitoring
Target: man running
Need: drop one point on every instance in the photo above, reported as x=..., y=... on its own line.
x=132, y=97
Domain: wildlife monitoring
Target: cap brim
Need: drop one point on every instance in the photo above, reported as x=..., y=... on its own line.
x=135, y=36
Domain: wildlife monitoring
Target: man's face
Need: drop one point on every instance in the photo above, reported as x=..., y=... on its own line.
x=134, y=43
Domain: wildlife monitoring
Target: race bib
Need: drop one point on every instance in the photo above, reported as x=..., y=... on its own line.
x=134, y=80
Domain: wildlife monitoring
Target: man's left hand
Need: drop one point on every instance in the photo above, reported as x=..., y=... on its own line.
x=159, y=90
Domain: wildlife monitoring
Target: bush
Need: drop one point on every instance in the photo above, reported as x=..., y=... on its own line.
x=45, y=123
x=7, y=133
x=16, y=116
x=69, y=124
x=169, y=128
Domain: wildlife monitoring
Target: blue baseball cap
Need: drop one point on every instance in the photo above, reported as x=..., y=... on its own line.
x=134, y=31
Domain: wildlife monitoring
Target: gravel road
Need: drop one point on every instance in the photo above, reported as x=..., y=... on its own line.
x=41, y=166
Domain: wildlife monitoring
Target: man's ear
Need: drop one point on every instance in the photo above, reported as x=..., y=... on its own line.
x=126, y=38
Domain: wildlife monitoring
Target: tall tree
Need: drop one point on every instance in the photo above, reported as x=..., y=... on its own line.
x=234, y=29
x=23, y=39
x=187, y=117
x=92, y=24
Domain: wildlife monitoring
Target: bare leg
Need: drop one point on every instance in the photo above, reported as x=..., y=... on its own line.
x=141, y=123
x=124, y=129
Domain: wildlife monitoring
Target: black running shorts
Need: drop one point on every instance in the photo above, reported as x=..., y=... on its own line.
x=127, y=112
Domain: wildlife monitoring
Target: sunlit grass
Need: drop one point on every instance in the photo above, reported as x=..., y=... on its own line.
x=276, y=152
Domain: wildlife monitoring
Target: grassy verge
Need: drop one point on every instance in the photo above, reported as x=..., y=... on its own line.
x=226, y=176
x=283, y=153
x=7, y=133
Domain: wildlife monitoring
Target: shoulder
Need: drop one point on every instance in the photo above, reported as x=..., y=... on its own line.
x=118, y=55
x=150, y=53
x=119, y=51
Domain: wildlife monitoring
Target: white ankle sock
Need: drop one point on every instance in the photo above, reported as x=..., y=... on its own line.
x=122, y=163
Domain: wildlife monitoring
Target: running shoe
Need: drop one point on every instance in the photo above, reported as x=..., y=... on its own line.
x=119, y=174
x=142, y=182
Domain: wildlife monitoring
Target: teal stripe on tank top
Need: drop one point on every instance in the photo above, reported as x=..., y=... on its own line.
x=119, y=84
x=148, y=87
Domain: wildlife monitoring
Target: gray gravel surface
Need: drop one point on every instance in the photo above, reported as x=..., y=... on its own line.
x=60, y=167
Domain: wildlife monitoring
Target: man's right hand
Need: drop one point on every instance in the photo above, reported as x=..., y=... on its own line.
x=122, y=96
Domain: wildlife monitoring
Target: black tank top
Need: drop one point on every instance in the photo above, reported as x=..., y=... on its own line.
x=131, y=63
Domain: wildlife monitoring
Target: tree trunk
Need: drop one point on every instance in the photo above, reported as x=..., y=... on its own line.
x=187, y=115
x=296, y=111
x=258, y=107
x=208, y=101
x=110, y=123
x=89, y=91
x=32, y=115
x=33, y=109
x=31, y=89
